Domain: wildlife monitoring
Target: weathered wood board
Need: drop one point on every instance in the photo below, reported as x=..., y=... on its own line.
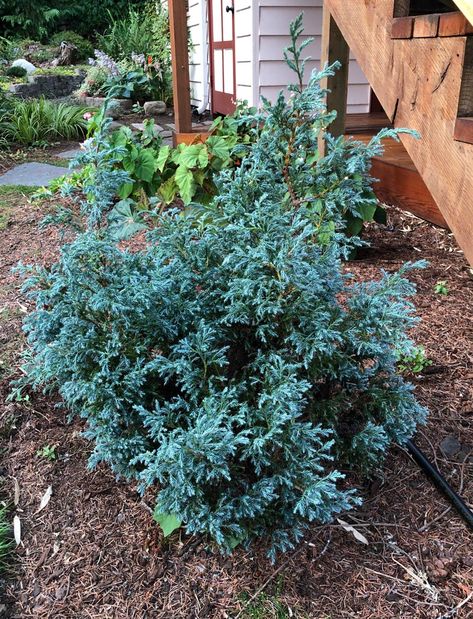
x=418, y=83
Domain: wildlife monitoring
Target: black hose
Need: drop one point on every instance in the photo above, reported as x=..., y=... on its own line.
x=441, y=483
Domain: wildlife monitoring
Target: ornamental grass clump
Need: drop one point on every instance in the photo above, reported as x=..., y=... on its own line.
x=231, y=365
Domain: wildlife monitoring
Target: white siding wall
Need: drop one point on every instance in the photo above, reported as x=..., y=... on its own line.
x=195, y=64
x=274, y=17
x=261, y=31
x=244, y=50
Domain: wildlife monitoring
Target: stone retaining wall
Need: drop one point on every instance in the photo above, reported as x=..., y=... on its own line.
x=50, y=86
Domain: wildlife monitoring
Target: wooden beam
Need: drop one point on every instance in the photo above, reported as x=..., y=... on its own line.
x=402, y=28
x=426, y=26
x=466, y=7
x=418, y=82
x=454, y=25
x=464, y=130
x=334, y=47
x=180, y=65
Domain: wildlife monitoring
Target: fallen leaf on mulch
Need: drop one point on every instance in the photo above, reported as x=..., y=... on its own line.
x=356, y=534
x=45, y=499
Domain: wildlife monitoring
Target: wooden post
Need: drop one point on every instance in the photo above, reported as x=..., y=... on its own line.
x=180, y=65
x=334, y=47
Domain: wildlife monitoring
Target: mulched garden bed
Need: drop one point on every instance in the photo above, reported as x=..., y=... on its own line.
x=94, y=551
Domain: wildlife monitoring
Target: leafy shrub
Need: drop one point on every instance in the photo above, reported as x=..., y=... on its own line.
x=39, y=19
x=88, y=17
x=85, y=49
x=414, y=362
x=231, y=363
x=95, y=82
x=28, y=18
x=9, y=50
x=39, y=120
x=151, y=175
x=16, y=72
x=143, y=33
x=138, y=78
x=127, y=35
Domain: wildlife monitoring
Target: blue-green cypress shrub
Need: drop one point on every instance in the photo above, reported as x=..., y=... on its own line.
x=232, y=365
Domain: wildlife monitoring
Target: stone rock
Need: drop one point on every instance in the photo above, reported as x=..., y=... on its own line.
x=32, y=174
x=51, y=86
x=69, y=154
x=116, y=108
x=450, y=446
x=116, y=125
x=154, y=108
x=24, y=64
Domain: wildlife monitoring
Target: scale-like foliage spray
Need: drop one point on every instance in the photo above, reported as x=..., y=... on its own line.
x=232, y=365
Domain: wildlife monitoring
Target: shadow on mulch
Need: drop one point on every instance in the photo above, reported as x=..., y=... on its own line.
x=94, y=551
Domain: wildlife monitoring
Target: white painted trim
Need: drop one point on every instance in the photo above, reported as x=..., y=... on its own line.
x=255, y=6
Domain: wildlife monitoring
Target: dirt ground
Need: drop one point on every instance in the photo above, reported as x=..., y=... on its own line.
x=94, y=552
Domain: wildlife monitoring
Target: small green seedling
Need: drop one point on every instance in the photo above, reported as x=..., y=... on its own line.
x=48, y=452
x=441, y=287
x=415, y=362
x=17, y=395
x=6, y=539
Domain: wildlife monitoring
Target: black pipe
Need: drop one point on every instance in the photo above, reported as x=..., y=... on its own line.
x=441, y=483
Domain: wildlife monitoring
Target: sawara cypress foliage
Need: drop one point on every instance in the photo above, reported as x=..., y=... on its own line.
x=232, y=365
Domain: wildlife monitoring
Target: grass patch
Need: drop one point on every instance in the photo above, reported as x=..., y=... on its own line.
x=37, y=121
x=9, y=196
x=266, y=606
x=6, y=540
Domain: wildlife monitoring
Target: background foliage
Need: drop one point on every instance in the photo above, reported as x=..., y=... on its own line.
x=38, y=19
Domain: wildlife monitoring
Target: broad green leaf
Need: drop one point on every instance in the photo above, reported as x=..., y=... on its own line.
x=326, y=233
x=163, y=156
x=124, y=223
x=233, y=542
x=367, y=210
x=200, y=176
x=123, y=207
x=168, y=522
x=354, y=225
x=194, y=156
x=126, y=229
x=128, y=165
x=125, y=190
x=145, y=165
x=168, y=190
x=219, y=147
x=185, y=182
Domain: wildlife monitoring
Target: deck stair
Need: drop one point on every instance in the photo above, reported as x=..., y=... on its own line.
x=400, y=184
x=421, y=70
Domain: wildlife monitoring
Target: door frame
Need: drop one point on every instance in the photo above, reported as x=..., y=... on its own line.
x=221, y=102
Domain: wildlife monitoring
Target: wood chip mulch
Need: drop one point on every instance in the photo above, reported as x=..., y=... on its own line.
x=94, y=552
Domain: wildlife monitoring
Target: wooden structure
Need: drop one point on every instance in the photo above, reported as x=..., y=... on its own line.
x=422, y=73
x=180, y=65
x=420, y=67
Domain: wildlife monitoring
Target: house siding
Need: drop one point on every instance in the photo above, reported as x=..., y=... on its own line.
x=195, y=63
x=261, y=33
x=274, y=17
